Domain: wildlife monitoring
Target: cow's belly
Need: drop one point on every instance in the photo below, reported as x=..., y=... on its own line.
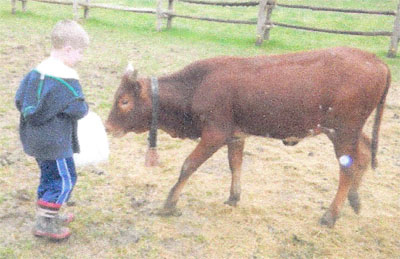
x=279, y=133
x=282, y=126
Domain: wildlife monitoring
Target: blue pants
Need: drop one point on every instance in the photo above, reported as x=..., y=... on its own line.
x=57, y=179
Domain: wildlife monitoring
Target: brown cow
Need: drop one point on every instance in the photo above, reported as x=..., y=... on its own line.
x=289, y=97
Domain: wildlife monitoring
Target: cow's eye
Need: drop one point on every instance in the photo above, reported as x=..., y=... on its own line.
x=124, y=101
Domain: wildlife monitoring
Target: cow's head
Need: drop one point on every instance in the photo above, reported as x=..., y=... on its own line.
x=131, y=110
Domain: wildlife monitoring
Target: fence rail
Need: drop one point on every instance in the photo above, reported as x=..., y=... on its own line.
x=264, y=22
x=219, y=3
x=103, y=6
x=340, y=10
x=357, y=33
x=313, y=8
x=213, y=19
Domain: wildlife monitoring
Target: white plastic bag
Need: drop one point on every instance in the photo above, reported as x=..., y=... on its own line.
x=93, y=141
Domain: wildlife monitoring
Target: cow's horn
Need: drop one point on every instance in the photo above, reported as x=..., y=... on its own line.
x=130, y=68
x=131, y=71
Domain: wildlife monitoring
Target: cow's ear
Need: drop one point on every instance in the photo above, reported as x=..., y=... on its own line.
x=131, y=72
x=137, y=88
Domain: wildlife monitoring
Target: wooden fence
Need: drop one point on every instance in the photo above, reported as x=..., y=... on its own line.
x=264, y=22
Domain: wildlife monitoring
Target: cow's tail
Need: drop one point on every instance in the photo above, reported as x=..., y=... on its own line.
x=377, y=123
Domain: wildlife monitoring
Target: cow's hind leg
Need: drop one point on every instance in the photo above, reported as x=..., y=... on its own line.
x=364, y=159
x=347, y=150
x=235, y=156
x=210, y=142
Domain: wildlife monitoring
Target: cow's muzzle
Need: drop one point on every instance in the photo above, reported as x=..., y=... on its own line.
x=110, y=129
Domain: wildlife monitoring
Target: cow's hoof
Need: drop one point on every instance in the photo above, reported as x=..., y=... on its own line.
x=328, y=219
x=169, y=212
x=354, y=201
x=232, y=202
x=290, y=143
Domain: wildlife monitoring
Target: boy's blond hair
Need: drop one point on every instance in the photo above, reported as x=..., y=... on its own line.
x=69, y=33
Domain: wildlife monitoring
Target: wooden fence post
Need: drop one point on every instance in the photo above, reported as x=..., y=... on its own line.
x=394, y=42
x=262, y=17
x=13, y=6
x=267, y=25
x=86, y=10
x=24, y=5
x=170, y=10
x=159, y=15
x=75, y=9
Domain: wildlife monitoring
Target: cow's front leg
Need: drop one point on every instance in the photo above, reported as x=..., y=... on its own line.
x=211, y=141
x=235, y=156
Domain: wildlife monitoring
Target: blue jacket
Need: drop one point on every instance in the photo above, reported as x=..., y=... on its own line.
x=50, y=107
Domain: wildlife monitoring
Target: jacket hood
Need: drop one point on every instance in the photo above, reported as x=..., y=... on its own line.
x=55, y=67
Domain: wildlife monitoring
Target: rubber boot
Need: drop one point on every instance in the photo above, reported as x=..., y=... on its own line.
x=65, y=218
x=49, y=223
x=50, y=228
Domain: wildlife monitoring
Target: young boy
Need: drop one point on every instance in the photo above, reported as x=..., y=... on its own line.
x=50, y=101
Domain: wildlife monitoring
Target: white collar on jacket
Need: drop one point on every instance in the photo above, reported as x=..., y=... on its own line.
x=54, y=67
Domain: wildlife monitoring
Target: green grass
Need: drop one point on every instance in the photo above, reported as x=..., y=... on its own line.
x=227, y=39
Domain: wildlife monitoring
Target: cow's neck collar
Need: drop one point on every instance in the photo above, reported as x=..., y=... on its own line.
x=154, y=113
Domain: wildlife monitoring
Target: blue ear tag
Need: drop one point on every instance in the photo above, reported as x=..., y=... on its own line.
x=345, y=161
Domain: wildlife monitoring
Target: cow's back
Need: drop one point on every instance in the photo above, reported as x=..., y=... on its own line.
x=287, y=95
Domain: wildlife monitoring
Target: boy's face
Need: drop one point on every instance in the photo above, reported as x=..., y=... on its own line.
x=72, y=55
